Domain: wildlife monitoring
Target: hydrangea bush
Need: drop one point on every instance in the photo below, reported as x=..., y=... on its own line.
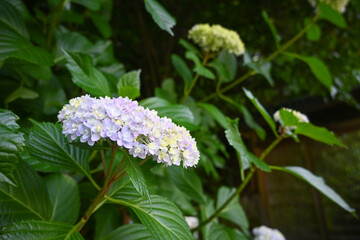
x=112, y=167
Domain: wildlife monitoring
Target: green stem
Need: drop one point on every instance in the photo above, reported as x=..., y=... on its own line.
x=54, y=18
x=194, y=81
x=268, y=59
x=241, y=186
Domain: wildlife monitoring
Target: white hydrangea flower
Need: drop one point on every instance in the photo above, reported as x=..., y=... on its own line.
x=214, y=39
x=265, y=233
x=139, y=130
x=338, y=5
x=301, y=117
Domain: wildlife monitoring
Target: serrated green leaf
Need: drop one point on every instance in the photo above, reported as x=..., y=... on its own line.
x=180, y=114
x=70, y=41
x=181, y=67
x=317, y=67
x=133, y=231
x=215, y=113
x=233, y=212
x=199, y=68
x=102, y=25
x=187, y=181
x=261, y=110
x=14, y=45
x=40, y=230
x=47, y=144
x=36, y=71
x=29, y=200
x=64, y=198
x=136, y=176
x=85, y=75
x=249, y=120
x=320, y=134
x=90, y=4
x=11, y=17
x=37, y=165
x=318, y=183
x=162, y=18
x=233, y=136
x=326, y=12
x=11, y=142
x=129, y=84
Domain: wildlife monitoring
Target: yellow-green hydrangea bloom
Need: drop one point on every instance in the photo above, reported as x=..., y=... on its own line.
x=338, y=5
x=215, y=38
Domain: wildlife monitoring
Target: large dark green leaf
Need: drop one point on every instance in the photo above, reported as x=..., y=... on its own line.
x=11, y=142
x=187, y=181
x=21, y=93
x=233, y=212
x=260, y=67
x=85, y=75
x=136, y=176
x=182, y=68
x=326, y=12
x=11, y=17
x=230, y=63
x=40, y=230
x=129, y=84
x=318, y=183
x=162, y=18
x=29, y=200
x=47, y=144
x=162, y=218
x=233, y=136
x=64, y=198
x=249, y=120
x=261, y=110
x=70, y=41
x=133, y=231
x=106, y=220
x=180, y=114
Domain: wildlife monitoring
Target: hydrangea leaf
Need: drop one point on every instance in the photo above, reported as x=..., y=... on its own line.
x=85, y=75
x=272, y=27
x=90, y=4
x=187, y=181
x=29, y=200
x=32, y=230
x=249, y=120
x=261, y=110
x=129, y=84
x=162, y=18
x=215, y=113
x=233, y=136
x=220, y=232
x=133, y=231
x=11, y=17
x=182, y=68
x=190, y=47
x=106, y=222
x=12, y=141
x=314, y=32
x=318, y=183
x=199, y=68
x=230, y=63
x=327, y=13
x=47, y=144
x=64, y=198
x=233, y=212
x=260, y=67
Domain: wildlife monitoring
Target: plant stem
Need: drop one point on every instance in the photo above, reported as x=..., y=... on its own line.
x=241, y=186
x=54, y=18
x=103, y=161
x=194, y=81
x=268, y=59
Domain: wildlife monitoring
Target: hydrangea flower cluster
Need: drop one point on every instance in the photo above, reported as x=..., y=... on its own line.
x=216, y=38
x=301, y=117
x=141, y=131
x=265, y=233
x=338, y=5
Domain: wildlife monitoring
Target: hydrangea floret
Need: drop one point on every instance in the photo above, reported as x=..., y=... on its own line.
x=338, y=5
x=265, y=233
x=215, y=38
x=135, y=128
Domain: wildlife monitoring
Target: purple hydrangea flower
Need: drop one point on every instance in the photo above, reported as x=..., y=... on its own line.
x=131, y=126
